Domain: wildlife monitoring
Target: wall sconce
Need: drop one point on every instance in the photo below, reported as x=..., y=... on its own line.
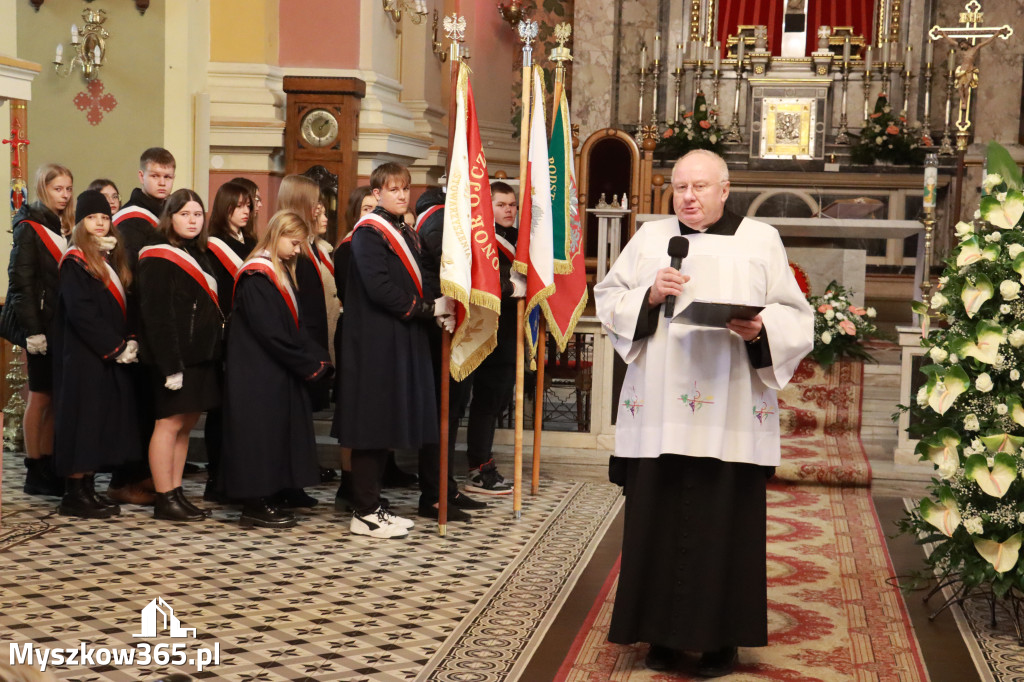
x=89, y=45
x=513, y=13
x=417, y=9
x=436, y=45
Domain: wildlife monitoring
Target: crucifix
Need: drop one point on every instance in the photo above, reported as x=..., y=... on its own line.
x=18, y=143
x=964, y=38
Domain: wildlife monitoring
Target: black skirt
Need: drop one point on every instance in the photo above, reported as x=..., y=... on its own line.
x=200, y=391
x=693, y=573
x=40, y=372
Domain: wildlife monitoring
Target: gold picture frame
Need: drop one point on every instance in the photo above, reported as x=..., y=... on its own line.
x=788, y=125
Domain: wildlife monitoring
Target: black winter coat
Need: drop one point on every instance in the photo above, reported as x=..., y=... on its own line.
x=226, y=280
x=181, y=324
x=31, y=301
x=138, y=232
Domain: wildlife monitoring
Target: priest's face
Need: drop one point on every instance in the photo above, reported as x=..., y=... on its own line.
x=698, y=191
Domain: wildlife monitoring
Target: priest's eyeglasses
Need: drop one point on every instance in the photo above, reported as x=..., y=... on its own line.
x=697, y=187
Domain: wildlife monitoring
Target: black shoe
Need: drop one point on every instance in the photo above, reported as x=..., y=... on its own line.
x=168, y=507
x=293, y=498
x=465, y=502
x=102, y=500
x=41, y=478
x=262, y=513
x=660, y=658
x=77, y=502
x=428, y=510
x=718, y=663
x=327, y=475
x=180, y=492
x=395, y=477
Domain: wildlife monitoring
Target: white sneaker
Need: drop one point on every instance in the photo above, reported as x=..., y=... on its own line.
x=399, y=520
x=377, y=524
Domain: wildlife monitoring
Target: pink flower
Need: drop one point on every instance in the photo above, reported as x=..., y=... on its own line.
x=824, y=308
x=667, y=133
x=859, y=312
x=705, y=124
x=848, y=327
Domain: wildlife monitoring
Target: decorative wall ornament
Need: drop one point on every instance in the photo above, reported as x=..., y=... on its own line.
x=94, y=101
x=88, y=45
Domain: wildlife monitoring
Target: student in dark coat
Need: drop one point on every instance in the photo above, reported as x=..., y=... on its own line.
x=96, y=422
x=40, y=231
x=182, y=328
x=230, y=243
x=269, y=443
x=386, y=390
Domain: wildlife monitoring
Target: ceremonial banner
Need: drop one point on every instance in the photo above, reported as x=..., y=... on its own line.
x=564, y=307
x=534, y=250
x=469, y=255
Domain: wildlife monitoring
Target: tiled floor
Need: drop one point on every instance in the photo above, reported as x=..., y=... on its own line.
x=309, y=603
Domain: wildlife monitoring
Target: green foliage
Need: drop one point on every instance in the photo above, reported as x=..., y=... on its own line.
x=698, y=129
x=840, y=327
x=889, y=137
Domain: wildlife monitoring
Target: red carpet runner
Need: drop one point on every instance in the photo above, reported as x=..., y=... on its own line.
x=832, y=614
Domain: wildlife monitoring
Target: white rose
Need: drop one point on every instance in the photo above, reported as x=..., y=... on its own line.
x=840, y=316
x=1020, y=517
x=984, y=382
x=1015, y=250
x=953, y=359
x=1017, y=338
x=1014, y=375
x=1009, y=290
x=1005, y=309
x=974, y=525
x=826, y=338
x=938, y=354
x=991, y=181
x=922, y=396
x=938, y=301
x=971, y=423
x=878, y=140
x=943, y=281
x=871, y=312
x=830, y=314
x=964, y=229
x=1002, y=409
x=994, y=237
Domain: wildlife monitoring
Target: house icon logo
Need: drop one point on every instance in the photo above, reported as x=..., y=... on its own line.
x=152, y=614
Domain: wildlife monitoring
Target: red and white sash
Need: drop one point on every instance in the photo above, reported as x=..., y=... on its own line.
x=114, y=285
x=55, y=243
x=422, y=217
x=398, y=245
x=183, y=260
x=134, y=212
x=506, y=247
x=262, y=265
x=308, y=252
x=224, y=253
x=324, y=257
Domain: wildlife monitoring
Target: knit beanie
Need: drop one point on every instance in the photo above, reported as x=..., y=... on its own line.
x=91, y=201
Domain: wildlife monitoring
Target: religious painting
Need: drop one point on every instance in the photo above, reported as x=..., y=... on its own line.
x=787, y=124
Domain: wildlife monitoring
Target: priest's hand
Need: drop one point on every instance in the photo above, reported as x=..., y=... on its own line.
x=668, y=282
x=749, y=330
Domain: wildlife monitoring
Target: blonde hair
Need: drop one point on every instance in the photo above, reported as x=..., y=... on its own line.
x=282, y=224
x=44, y=176
x=300, y=195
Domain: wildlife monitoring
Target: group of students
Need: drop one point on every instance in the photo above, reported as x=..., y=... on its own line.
x=137, y=319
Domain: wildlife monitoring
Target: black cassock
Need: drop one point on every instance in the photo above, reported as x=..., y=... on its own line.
x=269, y=443
x=313, y=311
x=96, y=421
x=386, y=384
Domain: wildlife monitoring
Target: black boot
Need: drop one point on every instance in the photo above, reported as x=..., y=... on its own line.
x=41, y=478
x=76, y=502
x=102, y=500
x=259, y=512
x=213, y=493
x=180, y=492
x=168, y=507
x=395, y=477
x=342, y=499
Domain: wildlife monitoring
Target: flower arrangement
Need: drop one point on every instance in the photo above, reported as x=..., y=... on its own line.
x=696, y=130
x=888, y=137
x=840, y=327
x=970, y=413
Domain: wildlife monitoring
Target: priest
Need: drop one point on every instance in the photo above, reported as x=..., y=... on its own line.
x=697, y=434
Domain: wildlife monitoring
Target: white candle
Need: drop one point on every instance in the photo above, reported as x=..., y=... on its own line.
x=885, y=53
x=929, y=52
x=679, y=55
x=718, y=56
x=740, y=47
x=643, y=57
x=846, y=51
x=74, y=34
x=657, y=47
x=97, y=56
x=867, y=59
x=906, y=61
x=59, y=58
x=952, y=61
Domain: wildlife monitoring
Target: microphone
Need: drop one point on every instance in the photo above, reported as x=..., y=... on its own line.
x=678, y=247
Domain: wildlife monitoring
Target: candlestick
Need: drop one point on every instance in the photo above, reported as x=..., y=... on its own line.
x=640, y=100
x=928, y=98
x=679, y=55
x=655, y=78
x=678, y=78
x=843, y=136
x=946, y=145
x=718, y=56
x=867, y=59
x=732, y=134
x=643, y=57
x=867, y=93
x=846, y=51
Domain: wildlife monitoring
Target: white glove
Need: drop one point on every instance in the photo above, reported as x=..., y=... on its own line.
x=133, y=346
x=36, y=344
x=518, y=284
x=444, y=305
x=127, y=356
x=175, y=381
x=446, y=322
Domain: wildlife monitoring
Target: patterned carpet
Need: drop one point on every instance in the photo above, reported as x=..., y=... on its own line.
x=833, y=615
x=310, y=603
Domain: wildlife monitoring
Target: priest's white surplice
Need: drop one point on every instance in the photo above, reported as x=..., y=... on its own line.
x=692, y=390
